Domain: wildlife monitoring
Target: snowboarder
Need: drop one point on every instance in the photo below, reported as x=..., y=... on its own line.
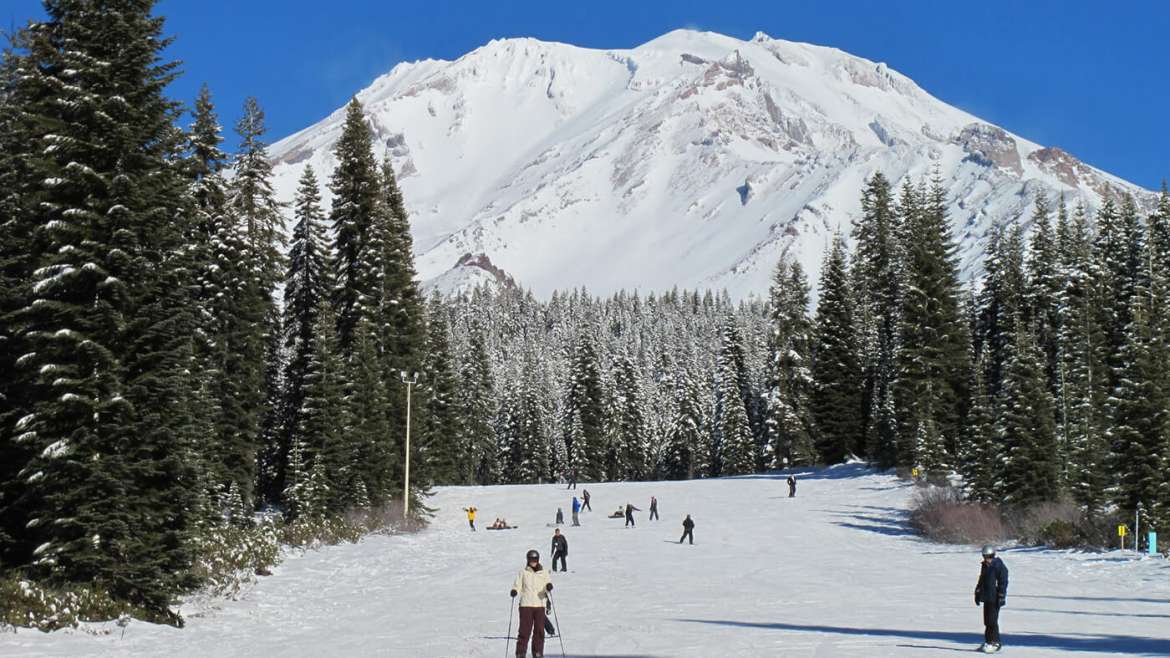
x=572, y=479
x=792, y=486
x=688, y=529
x=653, y=508
x=991, y=591
x=630, y=509
x=576, y=510
x=560, y=516
x=585, y=500
x=560, y=549
x=533, y=586
x=470, y=517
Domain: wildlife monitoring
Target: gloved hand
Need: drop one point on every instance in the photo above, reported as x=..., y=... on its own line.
x=1001, y=601
x=977, y=601
x=513, y=593
x=548, y=587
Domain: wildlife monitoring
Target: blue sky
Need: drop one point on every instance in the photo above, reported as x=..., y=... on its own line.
x=1090, y=77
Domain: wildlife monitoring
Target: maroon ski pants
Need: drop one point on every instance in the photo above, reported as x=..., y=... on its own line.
x=531, y=623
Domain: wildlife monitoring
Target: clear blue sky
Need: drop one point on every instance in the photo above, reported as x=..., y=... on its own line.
x=1090, y=77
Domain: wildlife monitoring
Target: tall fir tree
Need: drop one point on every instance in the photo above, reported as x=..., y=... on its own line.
x=788, y=423
x=736, y=447
x=584, y=411
x=438, y=426
x=356, y=209
x=836, y=400
x=108, y=325
x=1025, y=427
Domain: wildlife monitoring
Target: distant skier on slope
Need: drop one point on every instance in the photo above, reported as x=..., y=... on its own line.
x=585, y=500
x=688, y=530
x=572, y=479
x=991, y=591
x=576, y=511
x=560, y=550
x=470, y=517
x=653, y=508
x=630, y=509
x=533, y=586
x=792, y=486
x=560, y=516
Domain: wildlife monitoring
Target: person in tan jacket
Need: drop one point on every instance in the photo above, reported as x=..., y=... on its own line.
x=532, y=584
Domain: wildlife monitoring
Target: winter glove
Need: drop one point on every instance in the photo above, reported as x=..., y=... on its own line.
x=548, y=587
x=513, y=593
x=1001, y=601
x=976, y=597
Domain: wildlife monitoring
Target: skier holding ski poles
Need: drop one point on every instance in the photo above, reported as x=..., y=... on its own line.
x=688, y=530
x=533, y=585
x=560, y=550
x=991, y=591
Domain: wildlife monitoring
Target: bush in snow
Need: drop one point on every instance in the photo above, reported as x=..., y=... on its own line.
x=27, y=604
x=942, y=514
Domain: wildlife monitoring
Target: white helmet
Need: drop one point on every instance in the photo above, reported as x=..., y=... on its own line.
x=988, y=550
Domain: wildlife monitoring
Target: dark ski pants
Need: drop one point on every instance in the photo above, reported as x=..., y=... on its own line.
x=561, y=557
x=629, y=520
x=531, y=624
x=687, y=533
x=653, y=513
x=991, y=623
x=576, y=521
x=792, y=492
x=586, y=506
x=471, y=522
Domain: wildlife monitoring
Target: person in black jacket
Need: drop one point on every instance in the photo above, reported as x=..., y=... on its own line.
x=688, y=529
x=792, y=486
x=991, y=591
x=560, y=549
x=630, y=509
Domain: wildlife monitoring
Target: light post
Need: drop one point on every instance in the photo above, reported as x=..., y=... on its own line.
x=406, y=485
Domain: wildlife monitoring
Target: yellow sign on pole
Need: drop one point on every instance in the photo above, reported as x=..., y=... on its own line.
x=914, y=472
x=1121, y=530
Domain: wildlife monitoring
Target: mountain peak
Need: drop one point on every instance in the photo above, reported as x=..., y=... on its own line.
x=695, y=159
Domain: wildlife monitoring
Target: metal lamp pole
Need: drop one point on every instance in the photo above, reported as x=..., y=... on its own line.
x=406, y=485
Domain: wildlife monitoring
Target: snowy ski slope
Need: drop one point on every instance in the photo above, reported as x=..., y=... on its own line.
x=832, y=572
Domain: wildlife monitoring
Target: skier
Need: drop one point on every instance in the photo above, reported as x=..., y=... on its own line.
x=630, y=509
x=533, y=586
x=560, y=516
x=470, y=517
x=572, y=479
x=653, y=508
x=560, y=549
x=585, y=500
x=792, y=486
x=991, y=591
x=688, y=529
x=576, y=510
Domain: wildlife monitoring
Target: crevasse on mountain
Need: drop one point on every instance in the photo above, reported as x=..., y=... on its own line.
x=694, y=160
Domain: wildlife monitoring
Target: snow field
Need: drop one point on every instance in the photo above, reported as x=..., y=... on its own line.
x=832, y=572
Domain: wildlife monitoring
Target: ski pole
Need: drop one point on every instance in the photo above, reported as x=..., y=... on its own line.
x=508, y=640
x=560, y=630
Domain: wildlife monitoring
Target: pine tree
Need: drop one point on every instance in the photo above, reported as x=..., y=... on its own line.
x=369, y=475
x=686, y=434
x=979, y=455
x=477, y=404
x=585, y=413
x=788, y=423
x=1081, y=368
x=1025, y=426
x=306, y=287
x=439, y=418
x=877, y=291
x=932, y=353
x=322, y=413
x=737, y=446
x=107, y=325
x=356, y=209
x=627, y=424
x=253, y=204
x=836, y=396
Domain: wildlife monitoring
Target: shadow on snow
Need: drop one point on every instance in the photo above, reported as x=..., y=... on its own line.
x=1073, y=642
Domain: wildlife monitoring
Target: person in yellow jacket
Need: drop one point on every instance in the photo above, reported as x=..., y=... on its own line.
x=470, y=517
x=533, y=586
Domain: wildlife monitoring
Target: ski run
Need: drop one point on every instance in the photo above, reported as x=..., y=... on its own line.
x=833, y=572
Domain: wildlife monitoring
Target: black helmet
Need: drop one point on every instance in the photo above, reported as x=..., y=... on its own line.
x=988, y=551
x=532, y=555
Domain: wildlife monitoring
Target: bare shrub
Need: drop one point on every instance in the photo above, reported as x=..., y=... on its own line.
x=942, y=514
x=1063, y=524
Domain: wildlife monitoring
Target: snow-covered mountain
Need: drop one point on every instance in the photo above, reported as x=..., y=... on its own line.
x=695, y=160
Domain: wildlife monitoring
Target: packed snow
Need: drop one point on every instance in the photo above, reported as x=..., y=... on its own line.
x=833, y=572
